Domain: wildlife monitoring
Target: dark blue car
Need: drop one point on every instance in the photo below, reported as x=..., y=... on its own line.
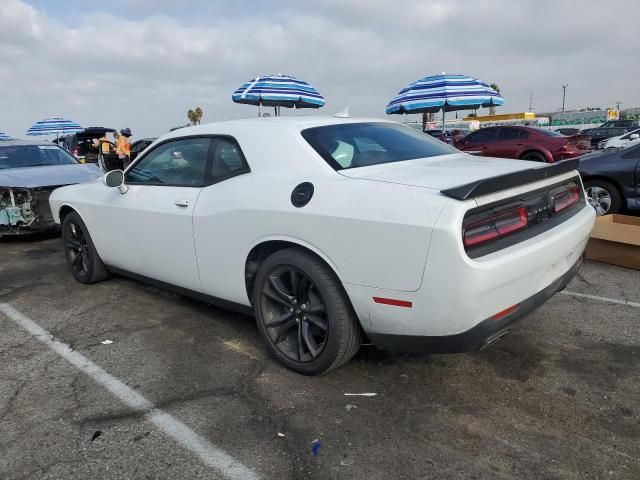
x=612, y=180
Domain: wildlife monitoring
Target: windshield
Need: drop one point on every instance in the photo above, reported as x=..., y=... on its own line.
x=18, y=156
x=355, y=145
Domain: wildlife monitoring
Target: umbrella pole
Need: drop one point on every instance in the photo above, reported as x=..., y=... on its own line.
x=443, y=134
x=259, y=110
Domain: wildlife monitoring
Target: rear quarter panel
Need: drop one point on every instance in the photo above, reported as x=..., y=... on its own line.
x=371, y=233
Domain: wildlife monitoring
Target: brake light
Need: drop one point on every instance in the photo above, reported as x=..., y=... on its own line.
x=494, y=226
x=564, y=199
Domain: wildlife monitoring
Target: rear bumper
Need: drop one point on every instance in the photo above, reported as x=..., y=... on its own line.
x=477, y=337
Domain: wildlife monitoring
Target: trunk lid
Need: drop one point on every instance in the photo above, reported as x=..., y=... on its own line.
x=581, y=142
x=441, y=172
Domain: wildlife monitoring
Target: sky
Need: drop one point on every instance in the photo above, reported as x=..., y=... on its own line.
x=143, y=63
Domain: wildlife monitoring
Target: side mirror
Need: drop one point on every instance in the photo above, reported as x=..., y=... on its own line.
x=115, y=178
x=634, y=136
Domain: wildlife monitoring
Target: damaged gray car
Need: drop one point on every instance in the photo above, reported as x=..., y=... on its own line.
x=29, y=172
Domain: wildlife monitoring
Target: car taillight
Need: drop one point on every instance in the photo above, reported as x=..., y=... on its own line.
x=565, y=196
x=494, y=225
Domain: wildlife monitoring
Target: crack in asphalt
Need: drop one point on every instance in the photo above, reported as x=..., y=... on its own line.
x=10, y=403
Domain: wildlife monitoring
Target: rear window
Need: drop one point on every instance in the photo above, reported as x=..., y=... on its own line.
x=548, y=133
x=363, y=144
x=18, y=156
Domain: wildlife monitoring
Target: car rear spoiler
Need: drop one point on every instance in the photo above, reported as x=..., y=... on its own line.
x=509, y=180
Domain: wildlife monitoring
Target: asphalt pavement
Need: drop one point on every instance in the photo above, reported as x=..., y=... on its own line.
x=186, y=390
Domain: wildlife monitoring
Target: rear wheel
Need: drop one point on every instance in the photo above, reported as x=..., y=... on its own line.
x=603, y=196
x=303, y=313
x=534, y=157
x=82, y=258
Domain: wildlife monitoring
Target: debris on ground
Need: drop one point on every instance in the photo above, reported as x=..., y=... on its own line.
x=346, y=462
x=315, y=447
x=106, y=342
x=360, y=394
x=280, y=434
x=96, y=434
x=349, y=406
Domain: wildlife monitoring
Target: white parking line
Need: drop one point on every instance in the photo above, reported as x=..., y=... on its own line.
x=211, y=455
x=617, y=301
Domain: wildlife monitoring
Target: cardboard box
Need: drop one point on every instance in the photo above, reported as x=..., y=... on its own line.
x=615, y=239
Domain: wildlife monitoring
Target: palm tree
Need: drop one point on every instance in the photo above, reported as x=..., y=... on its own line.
x=195, y=116
x=492, y=109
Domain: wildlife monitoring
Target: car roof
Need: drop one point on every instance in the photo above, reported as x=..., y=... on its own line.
x=294, y=122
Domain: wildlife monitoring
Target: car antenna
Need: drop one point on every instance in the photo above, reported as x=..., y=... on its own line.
x=343, y=113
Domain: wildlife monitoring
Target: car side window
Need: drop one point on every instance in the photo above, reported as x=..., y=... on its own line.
x=509, y=134
x=177, y=163
x=228, y=160
x=482, y=135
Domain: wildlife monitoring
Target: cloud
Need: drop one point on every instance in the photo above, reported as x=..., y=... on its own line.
x=144, y=63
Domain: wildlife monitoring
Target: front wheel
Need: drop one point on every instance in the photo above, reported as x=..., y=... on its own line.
x=82, y=258
x=603, y=197
x=303, y=313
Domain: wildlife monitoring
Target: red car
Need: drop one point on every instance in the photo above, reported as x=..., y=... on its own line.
x=525, y=143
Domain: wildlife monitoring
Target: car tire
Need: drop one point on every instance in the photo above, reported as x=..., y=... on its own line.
x=82, y=257
x=603, y=196
x=304, y=314
x=534, y=157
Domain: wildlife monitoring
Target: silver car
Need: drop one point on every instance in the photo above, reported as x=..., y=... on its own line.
x=29, y=172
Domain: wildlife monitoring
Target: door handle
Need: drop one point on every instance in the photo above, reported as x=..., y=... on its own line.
x=181, y=203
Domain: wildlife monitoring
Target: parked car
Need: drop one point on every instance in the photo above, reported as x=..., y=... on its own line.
x=81, y=144
x=29, y=172
x=138, y=146
x=603, y=133
x=525, y=143
x=450, y=135
x=628, y=124
x=568, y=131
x=620, y=140
x=612, y=179
x=328, y=229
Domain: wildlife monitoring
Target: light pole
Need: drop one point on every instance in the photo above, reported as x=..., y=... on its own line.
x=564, y=93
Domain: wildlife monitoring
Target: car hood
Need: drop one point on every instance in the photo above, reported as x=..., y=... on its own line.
x=441, y=172
x=48, y=176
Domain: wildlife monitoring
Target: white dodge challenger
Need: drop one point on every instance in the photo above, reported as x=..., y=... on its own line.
x=334, y=230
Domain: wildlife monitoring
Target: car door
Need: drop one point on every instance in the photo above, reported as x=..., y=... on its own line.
x=631, y=156
x=219, y=216
x=508, y=143
x=148, y=230
x=480, y=141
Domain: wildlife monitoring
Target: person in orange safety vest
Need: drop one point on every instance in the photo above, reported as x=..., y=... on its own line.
x=123, y=147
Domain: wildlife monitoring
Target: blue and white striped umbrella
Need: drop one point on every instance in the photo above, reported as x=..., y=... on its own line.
x=55, y=125
x=444, y=92
x=278, y=91
x=4, y=136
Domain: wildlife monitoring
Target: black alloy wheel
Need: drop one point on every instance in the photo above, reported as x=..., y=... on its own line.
x=295, y=314
x=77, y=250
x=83, y=259
x=303, y=312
